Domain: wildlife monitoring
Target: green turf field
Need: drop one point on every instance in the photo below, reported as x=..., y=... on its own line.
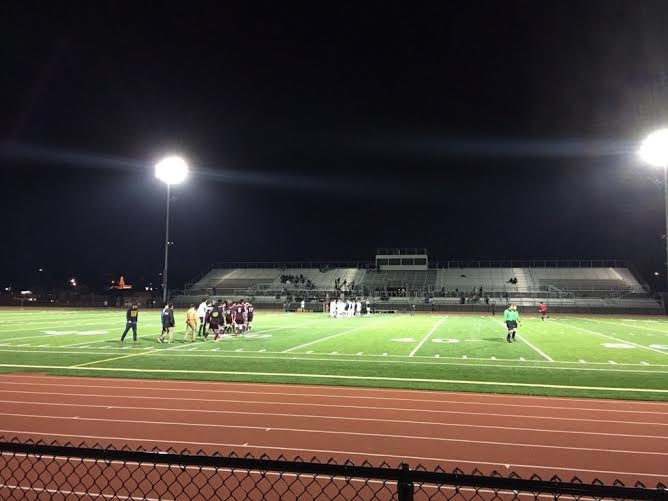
x=613, y=357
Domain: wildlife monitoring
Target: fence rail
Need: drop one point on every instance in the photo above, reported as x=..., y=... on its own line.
x=46, y=471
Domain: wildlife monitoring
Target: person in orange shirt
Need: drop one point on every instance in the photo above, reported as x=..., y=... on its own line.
x=191, y=324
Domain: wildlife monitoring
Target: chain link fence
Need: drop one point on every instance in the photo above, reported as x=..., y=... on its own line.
x=41, y=471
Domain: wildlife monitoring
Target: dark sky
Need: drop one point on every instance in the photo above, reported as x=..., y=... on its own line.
x=324, y=130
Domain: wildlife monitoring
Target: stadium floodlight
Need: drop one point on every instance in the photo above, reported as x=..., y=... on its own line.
x=171, y=170
x=654, y=151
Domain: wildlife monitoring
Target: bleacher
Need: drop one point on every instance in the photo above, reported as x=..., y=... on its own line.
x=595, y=288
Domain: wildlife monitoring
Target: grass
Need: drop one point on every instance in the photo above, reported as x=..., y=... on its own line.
x=609, y=357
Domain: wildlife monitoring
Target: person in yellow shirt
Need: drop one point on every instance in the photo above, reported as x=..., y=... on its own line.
x=191, y=324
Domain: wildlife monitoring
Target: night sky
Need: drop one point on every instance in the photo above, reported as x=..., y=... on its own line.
x=325, y=130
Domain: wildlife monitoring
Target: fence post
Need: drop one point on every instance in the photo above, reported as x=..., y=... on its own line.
x=405, y=484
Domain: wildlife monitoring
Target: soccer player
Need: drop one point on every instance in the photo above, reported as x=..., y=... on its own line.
x=191, y=323
x=511, y=317
x=201, y=313
x=229, y=327
x=239, y=317
x=167, y=324
x=542, y=309
x=216, y=319
x=131, y=317
x=249, y=316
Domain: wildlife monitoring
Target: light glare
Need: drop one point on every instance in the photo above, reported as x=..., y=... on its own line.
x=171, y=170
x=654, y=149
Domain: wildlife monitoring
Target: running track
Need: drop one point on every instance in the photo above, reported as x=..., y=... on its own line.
x=587, y=438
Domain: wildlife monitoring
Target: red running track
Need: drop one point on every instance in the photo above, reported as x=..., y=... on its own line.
x=587, y=438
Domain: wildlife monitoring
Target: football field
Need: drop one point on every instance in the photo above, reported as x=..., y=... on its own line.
x=611, y=357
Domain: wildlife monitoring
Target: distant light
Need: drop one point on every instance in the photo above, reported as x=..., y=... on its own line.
x=25, y=292
x=654, y=149
x=656, y=273
x=171, y=170
x=146, y=289
x=40, y=270
x=8, y=289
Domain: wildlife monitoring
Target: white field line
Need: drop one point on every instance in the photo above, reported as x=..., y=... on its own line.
x=343, y=406
x=145, y=336
x=613, y=338
x=69, y=325
x=628, y=325
x=392, y=391
x=306, y=357
x=331, y=337
x=45, y=335
x=316, y=417
x=541, y=353
x=330, y=451
x=325, y=395
x=321, y=432
x=291, y=375
x=424, y=339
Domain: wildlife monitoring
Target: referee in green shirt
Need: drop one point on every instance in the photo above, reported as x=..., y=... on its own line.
x=512, y=319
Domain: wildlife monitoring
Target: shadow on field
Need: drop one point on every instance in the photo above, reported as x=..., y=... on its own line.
x=494, y=339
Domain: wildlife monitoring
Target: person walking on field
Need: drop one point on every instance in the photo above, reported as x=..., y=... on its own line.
x=131, y=317
x=542, y=309
x=201, y=313
x=167, y=324
x=191, y=323
x=512, y=318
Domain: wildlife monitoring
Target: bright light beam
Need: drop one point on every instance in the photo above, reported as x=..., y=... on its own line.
x=654, y=149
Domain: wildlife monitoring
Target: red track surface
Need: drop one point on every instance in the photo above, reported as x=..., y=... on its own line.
x=587, y=438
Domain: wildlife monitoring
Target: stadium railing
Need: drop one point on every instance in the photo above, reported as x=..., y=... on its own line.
x=50, y=471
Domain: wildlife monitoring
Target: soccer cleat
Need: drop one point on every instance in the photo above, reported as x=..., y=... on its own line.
x=160, y=340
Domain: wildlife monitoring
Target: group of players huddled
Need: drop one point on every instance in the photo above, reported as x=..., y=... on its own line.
x=233, y=318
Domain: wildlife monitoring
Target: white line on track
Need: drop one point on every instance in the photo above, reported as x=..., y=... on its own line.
x=312, y=404
x=305, y=376
x=424, y=339
x=321, y=432
x=66, y=493
x=330, y=451
x=316, y=417
x=65, y=381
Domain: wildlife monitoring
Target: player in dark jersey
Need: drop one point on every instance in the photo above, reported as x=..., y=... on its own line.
x=216, y=319
x=229, y=325
x=239, y=316
x=249, y=316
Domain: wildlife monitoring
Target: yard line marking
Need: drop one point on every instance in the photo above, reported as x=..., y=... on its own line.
x=424, y=339
x=614, y=338
x=113, y=358
x=335, y=418
x=330, y=337
x=545, y=356
x=339, y=432
x=335, y=376
x=633, y=325
x=329, y=451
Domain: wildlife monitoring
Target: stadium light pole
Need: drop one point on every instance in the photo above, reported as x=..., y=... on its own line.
x=654, y=151
x=171, y=170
